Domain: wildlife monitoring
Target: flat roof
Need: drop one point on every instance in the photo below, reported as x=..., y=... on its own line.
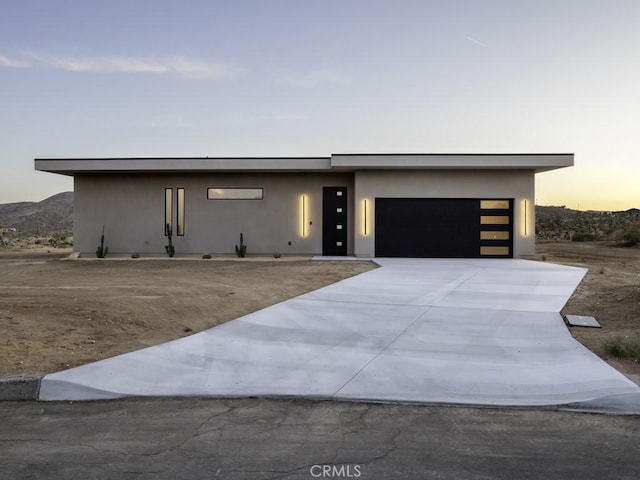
x=539, y=162
x=471, y=161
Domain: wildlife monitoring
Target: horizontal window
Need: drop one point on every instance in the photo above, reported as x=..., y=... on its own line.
x=494, y=250
x=494, y=204
x=494, y=220
x=494, y=235
x=225, y=193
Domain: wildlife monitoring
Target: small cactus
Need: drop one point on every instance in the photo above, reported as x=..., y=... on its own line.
x=170, y=249
x=241, y=251
x=102, y=251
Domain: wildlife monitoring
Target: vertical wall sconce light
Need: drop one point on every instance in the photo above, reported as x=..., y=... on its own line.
x=365, y=224
x=525, y=218
x=366, y=231
x=303, y=216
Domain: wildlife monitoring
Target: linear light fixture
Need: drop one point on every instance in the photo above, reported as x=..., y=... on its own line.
x=365, y=218
x=303, y=216
x=525, y=217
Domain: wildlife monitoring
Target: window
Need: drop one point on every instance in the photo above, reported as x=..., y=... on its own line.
x=168, y=210
x=494, y=204
x=225, y=193
x=180, y=229
x=490, y=235
x=494, y=250
x=494, y=220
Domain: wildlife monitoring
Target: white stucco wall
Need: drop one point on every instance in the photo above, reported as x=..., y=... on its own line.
x=509, y=184
x=131, y=207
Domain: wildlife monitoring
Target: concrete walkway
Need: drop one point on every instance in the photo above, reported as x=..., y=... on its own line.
x=479, y=332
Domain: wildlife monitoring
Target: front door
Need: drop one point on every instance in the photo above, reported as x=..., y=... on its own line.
x=334, y=221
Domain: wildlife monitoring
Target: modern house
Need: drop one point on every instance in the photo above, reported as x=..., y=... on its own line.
x=366, y=205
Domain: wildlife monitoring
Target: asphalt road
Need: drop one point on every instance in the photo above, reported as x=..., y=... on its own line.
x=303, y=439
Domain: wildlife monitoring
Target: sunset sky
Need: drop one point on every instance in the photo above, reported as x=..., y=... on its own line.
x=301, y=77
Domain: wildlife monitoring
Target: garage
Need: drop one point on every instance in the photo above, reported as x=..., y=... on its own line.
x=444, y=227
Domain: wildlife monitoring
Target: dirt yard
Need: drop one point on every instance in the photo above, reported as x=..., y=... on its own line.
x=610, y=292
x=56, y=314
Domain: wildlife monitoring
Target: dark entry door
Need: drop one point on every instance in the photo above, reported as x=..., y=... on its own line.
x=334, y=220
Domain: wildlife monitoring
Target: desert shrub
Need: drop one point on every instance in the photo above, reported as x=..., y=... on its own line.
x=633, y=348
x=170, y=249
x=206, y=256
x=101, y=250
x=629, y=237
x=241, y=250
x=614, y=346
x=583, y=237
x=623, y=347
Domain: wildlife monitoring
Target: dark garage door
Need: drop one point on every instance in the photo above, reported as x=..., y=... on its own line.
x=444, y=228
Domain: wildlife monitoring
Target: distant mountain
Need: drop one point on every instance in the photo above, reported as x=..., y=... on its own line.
x=633, y=212
x=51, y=215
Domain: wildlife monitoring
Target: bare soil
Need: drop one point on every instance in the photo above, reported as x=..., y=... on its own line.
x=57, y=313
x=610, y=292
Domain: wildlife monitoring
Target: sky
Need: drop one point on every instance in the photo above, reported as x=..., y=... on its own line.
x=311, y=78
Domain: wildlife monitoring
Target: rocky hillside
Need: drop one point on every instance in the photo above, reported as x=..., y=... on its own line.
x=51, y=215
x=560, y=223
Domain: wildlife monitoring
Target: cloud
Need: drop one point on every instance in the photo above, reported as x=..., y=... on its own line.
x=171, y=65
x=251, y=118
x=477, y=42
x=11, y=63
x=316, y=78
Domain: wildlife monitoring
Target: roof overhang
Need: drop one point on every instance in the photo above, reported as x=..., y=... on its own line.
x=337, y=162
x=455, y=161
x=73, y=166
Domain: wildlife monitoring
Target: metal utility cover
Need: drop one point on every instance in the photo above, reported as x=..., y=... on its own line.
x=582, y=321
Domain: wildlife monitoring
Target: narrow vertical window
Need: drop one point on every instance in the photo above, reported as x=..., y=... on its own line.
x=168, y=210
x=180, y=229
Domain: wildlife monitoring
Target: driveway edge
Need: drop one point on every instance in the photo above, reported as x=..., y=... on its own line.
x=19, y=387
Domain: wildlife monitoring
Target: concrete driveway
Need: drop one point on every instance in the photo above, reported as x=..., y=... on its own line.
x=477, y=332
